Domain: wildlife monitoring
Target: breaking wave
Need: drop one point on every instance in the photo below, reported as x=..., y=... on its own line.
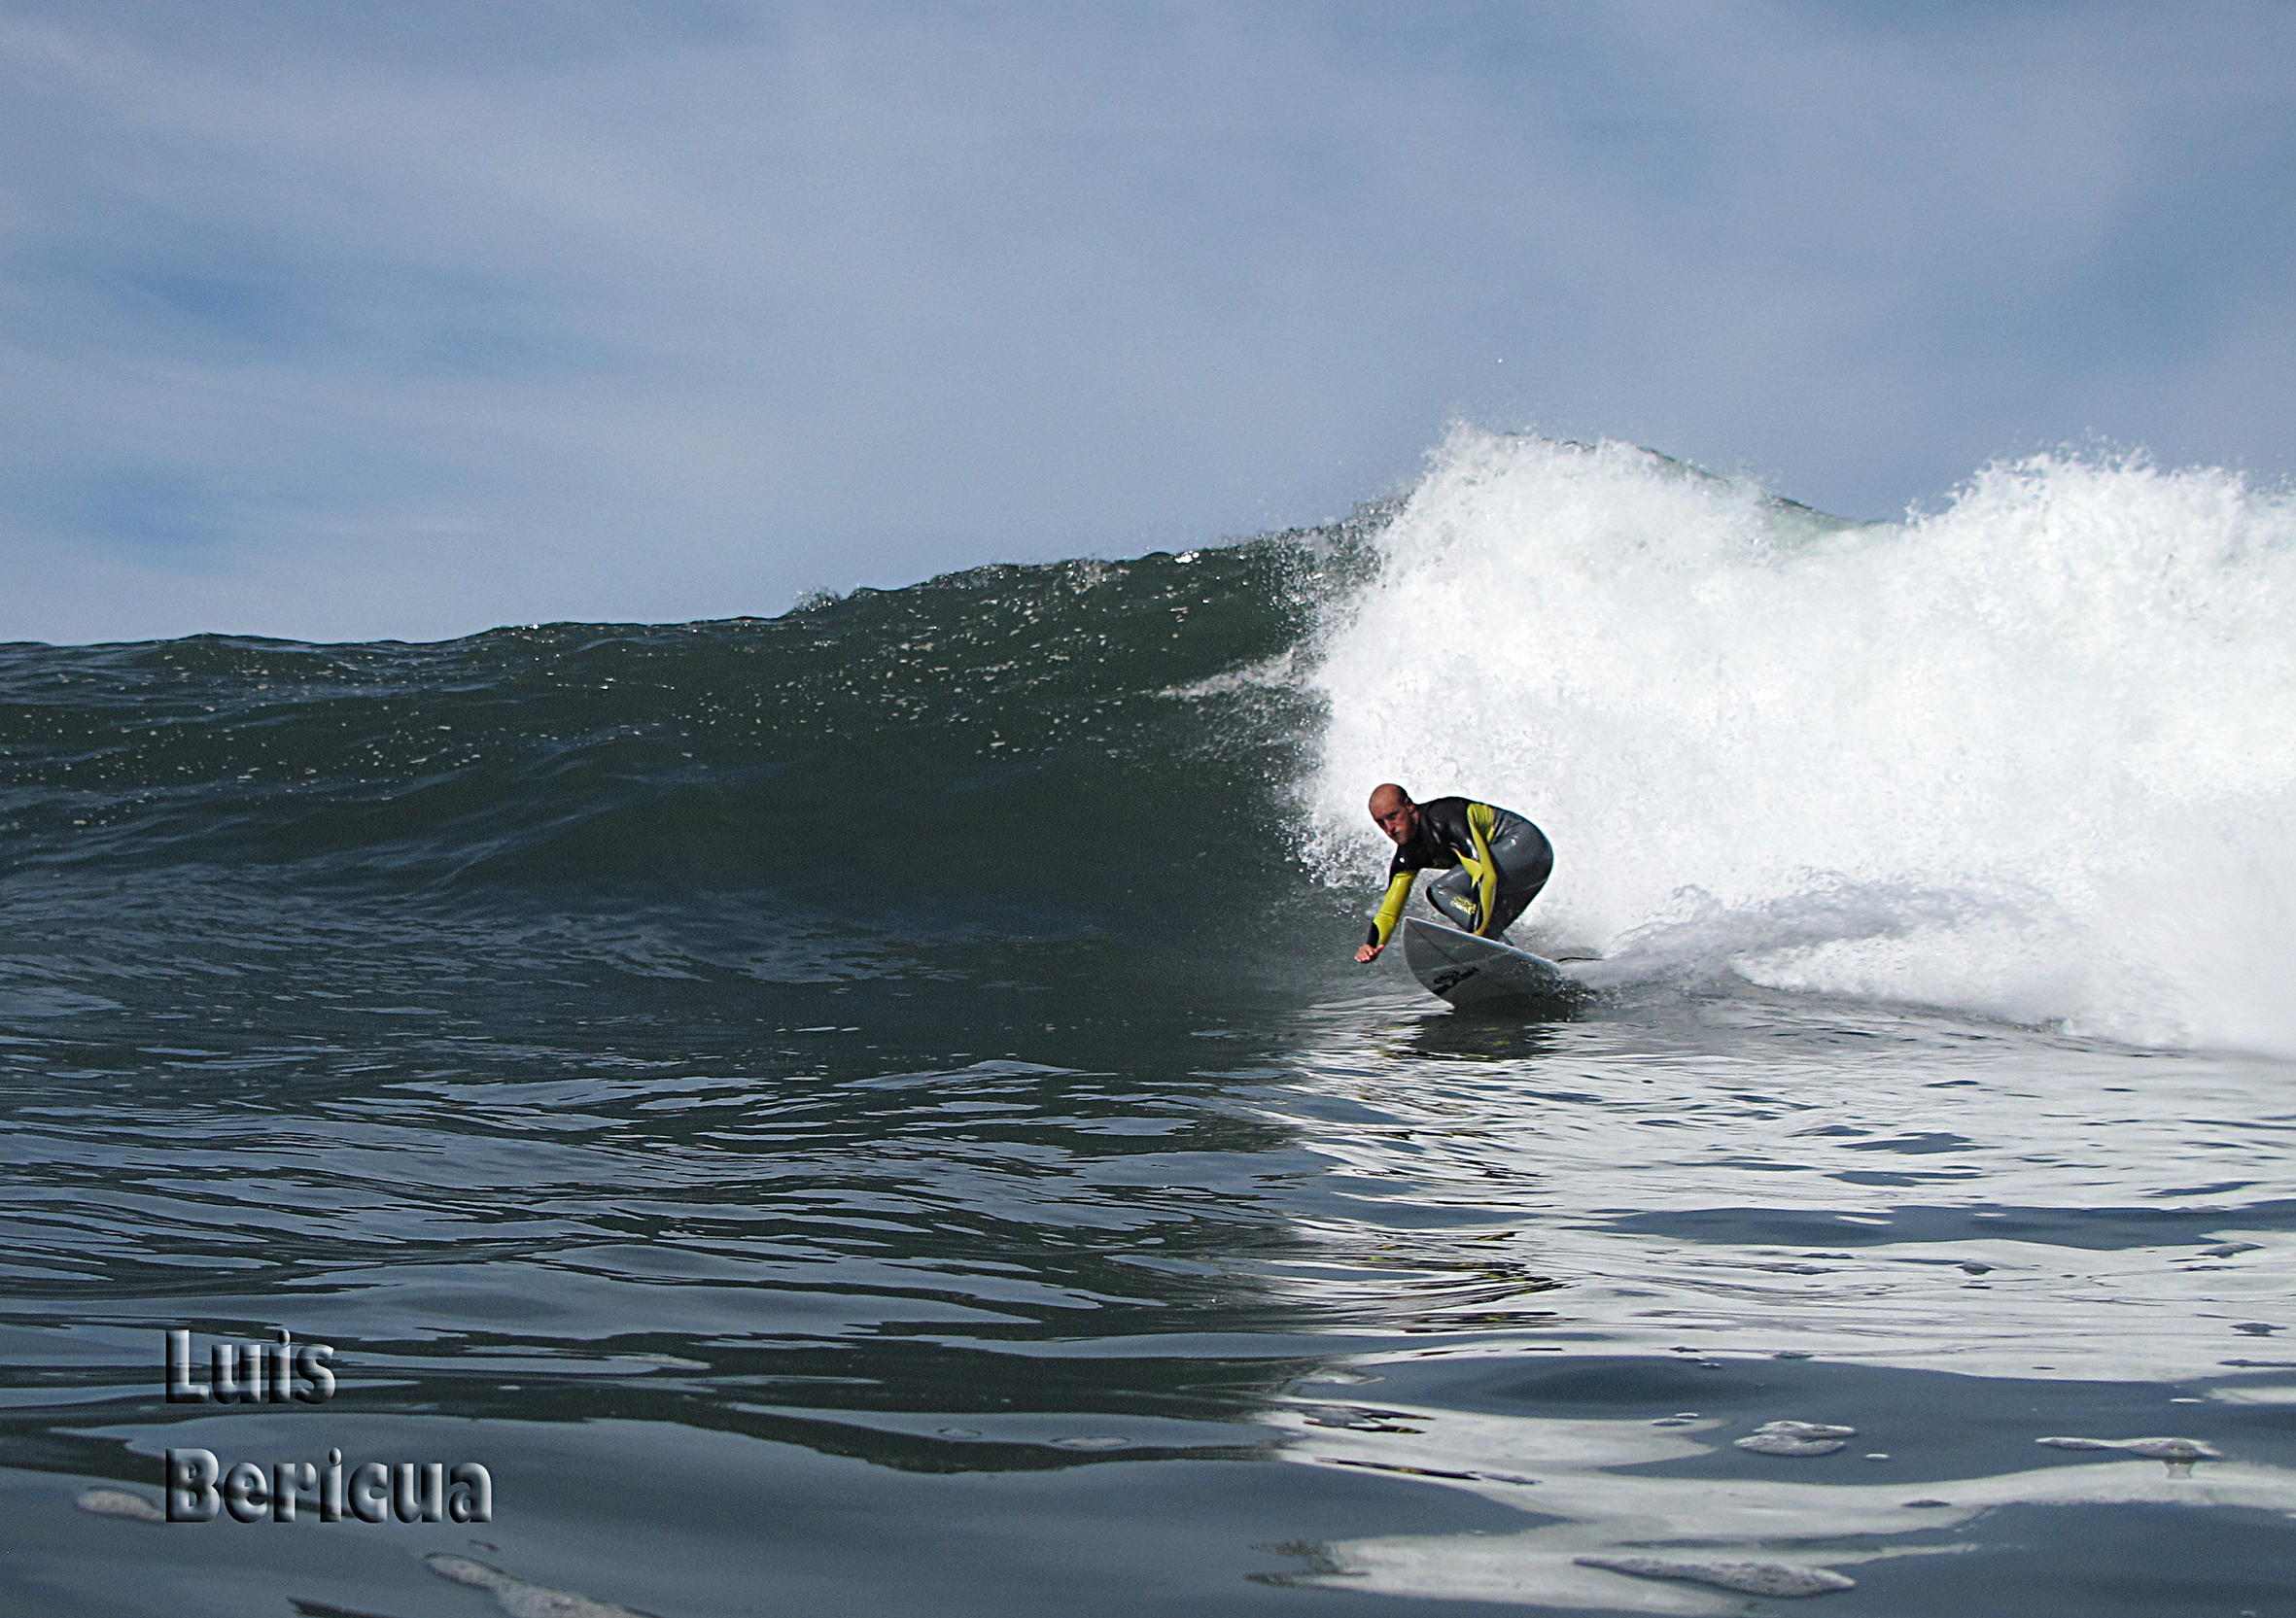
x=2032, y=755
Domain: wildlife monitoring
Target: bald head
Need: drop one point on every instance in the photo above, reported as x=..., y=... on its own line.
x=1394, y=811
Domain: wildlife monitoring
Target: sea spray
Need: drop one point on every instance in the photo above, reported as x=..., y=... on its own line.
x=2031, y=755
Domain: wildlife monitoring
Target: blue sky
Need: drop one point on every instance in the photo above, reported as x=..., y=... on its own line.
x=339, y=320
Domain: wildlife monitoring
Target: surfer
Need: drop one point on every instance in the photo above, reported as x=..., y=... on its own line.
x=1494, y=863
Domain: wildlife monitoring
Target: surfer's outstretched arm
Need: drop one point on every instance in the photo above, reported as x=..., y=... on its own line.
x=1399, y=893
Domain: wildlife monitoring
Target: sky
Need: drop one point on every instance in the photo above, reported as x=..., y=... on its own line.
x=337, y=320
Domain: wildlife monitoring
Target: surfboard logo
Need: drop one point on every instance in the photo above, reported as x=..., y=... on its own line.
x=1450, y=978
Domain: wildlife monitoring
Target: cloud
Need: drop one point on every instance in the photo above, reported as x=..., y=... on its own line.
x=337, y=320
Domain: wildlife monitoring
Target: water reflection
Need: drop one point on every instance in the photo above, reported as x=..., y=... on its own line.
x=1667, y=1514
x=1736, y=1171
x=1466, y=1036
x=834, y=1259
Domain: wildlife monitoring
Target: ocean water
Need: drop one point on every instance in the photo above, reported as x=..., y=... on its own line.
x=873, y=1112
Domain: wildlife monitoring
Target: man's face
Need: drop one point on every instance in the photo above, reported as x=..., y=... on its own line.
x=1400, y=822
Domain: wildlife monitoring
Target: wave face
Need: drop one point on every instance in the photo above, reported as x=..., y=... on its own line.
x=2031, y=756
x=1063, y=763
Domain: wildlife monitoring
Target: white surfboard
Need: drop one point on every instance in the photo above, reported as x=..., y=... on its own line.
x=1473, y=972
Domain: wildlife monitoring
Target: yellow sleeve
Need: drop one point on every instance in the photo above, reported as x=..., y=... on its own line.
x=1481, y=820
x=1399, y=894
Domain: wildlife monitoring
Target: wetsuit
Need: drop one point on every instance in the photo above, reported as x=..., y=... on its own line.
x=1494, y=863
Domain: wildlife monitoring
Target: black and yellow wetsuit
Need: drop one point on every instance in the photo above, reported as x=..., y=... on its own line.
x=1495, y=861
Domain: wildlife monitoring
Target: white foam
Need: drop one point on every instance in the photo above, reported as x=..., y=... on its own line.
x=519, y=1599
x=2031, y=756
x=119, y=1502
x=1798, y=1438
x=1752, y=1578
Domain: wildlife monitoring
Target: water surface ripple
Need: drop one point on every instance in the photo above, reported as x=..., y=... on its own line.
x=870, y=1112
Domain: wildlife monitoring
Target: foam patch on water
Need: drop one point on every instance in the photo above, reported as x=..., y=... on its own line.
x=1751, y=1578
x=2027, y=756
x=2178, y=1453
x=1796, y=1438
x=119, y=1502
x=519, y=1599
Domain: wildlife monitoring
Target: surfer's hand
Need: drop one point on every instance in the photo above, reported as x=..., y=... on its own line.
x=1369, y=952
